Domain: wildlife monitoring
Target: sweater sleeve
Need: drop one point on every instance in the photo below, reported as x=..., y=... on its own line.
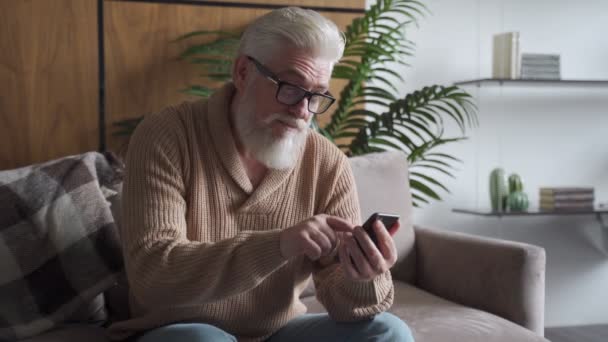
x=344, y=299
x=163, y=266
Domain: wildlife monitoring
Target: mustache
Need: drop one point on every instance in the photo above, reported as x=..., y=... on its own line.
x=289, y=120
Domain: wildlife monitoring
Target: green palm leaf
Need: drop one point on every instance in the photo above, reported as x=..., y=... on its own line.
x=415, y=124
x=198, y=91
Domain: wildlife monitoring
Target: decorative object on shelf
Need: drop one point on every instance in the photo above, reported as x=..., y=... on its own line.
x=515, y=183
x=566, y=198
x=505, y=55
x=498, y=189
x=414, y=123
x=517, y=199
x=539, y=66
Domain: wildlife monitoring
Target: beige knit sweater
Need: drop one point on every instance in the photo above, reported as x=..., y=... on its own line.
x=202, y=245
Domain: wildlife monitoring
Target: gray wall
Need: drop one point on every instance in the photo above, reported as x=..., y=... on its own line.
x=551, y=136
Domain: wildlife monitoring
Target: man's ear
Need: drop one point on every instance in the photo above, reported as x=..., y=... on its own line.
x=240, y=69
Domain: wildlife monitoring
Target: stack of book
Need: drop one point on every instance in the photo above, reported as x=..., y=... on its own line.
x=566, y=198
x=505, y=55
x=540, y=66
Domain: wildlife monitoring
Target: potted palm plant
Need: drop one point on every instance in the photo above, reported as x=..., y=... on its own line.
x=414, y=123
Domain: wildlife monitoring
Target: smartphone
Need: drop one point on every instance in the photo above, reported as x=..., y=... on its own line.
x=387, y=219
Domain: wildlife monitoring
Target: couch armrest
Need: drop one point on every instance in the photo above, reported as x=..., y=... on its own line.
x=501, y=277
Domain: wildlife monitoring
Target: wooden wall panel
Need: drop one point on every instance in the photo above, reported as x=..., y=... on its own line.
x=142, y=73
x=301, y=3
x=48, y=80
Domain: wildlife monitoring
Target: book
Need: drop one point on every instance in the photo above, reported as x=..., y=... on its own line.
x=540, y=56
x=564, y=203
x=541, y=70
x=548, y=207
x=505, y=55
x=528, y=76
x=550, y=191
x=541, y=63
x=566, y=198
x=540, y=66
x=560, y=197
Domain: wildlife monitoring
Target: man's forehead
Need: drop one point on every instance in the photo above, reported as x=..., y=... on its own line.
x=320, y=74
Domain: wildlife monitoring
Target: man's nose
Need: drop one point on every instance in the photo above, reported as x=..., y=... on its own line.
x=300, y=109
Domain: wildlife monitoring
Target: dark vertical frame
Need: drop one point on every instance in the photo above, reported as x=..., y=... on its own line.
x=101, y=77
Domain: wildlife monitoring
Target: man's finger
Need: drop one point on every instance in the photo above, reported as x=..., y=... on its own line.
x=346, y=262
x=386, y=244
x=311, y=249
x=360, y=261
x=339, y=224
x=394, y=228
x=326, y=243
x=372, y=254
x=365, y=242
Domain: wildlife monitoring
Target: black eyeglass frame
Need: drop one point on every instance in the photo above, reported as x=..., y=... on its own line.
x=306, y=94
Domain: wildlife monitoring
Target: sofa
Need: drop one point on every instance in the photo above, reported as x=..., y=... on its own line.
x=449, y=286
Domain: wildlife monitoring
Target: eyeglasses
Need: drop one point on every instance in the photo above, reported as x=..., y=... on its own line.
x=291, y=94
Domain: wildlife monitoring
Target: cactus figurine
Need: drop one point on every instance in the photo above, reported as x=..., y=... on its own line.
x=517, y=199
x=498, y=189
x=515, y=183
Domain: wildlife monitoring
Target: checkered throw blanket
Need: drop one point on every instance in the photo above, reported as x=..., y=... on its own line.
x=58, y=242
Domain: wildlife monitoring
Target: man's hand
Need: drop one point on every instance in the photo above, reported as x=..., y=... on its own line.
x=367, y=262
x=314, y=237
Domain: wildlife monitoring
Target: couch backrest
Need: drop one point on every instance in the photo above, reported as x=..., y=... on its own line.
x=383, y=186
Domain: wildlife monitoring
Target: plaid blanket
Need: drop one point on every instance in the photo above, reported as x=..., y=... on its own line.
x=59, y=247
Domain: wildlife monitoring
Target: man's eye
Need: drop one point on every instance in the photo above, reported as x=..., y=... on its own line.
x=290, y=90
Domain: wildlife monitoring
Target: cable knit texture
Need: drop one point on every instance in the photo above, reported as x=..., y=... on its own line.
x=201, y=244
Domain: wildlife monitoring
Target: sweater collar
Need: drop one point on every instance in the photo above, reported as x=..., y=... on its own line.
x=218, y=114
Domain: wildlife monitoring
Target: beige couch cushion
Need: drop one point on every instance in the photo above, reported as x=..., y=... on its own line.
x=384, y=179
x=433, y=319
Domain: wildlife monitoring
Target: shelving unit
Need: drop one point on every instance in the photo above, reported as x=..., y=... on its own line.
x=598, y=212
x=488, y=213
x=533, y=82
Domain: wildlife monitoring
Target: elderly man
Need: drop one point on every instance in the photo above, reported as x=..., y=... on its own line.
x=230, y=204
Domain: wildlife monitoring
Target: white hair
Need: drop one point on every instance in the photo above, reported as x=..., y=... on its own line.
x=303, y=29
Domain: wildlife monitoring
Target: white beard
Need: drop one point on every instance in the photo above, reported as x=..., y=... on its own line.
x=273, y=152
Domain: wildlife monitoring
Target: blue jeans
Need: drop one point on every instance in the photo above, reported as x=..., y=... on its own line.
x=384, y=327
